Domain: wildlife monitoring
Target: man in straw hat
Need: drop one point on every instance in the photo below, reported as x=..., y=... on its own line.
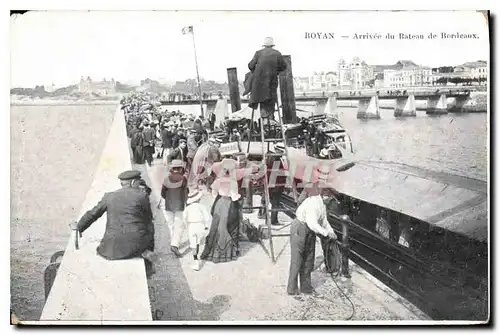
x=129, y=228
x=174, y=191
x=265, y=66
x=198, y=219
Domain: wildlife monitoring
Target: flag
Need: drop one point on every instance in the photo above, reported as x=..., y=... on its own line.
x=187, y=30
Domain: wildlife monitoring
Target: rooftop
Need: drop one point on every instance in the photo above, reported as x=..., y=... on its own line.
x=479, y=63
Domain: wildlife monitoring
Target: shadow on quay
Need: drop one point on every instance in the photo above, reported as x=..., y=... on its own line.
x=169, y=292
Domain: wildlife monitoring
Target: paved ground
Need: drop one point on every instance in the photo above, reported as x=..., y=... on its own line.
x=252, y=288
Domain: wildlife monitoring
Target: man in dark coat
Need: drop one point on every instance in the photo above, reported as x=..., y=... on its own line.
x=179, y=135
x=265, y=66
x=149, y=143
x=133, y=140
x=179, y=153
x=166, y=139
x=129, y=227
x=213, y=118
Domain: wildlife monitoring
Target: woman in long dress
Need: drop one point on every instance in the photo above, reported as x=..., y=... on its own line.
x=222, y=242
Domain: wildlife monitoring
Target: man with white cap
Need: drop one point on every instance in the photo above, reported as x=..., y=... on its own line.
x=198, y=219
x=265, y=66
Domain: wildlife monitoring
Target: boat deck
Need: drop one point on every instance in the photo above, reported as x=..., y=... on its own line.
x=252, y=288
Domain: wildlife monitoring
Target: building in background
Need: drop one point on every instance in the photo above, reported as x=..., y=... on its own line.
x=354, y=75
x=478, y=69
x=50, y=88
x=149, y=85
x=379, y=80
x=104, y=87
x=405, y=73
x=323, y=81
x=301, y=84
x=469, y=73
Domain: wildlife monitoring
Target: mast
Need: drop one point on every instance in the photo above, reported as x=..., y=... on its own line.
x=197, y=74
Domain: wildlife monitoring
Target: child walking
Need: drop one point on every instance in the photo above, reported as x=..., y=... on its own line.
x=198, y=219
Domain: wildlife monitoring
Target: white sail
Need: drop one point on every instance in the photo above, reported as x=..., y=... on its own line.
x=331, y=107
x=221, y=111
x=373, y=108
x=442, y=103
x=410, y=107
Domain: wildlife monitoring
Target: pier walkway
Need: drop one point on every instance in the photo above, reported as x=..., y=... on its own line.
x=251, y=288
x=91, y=290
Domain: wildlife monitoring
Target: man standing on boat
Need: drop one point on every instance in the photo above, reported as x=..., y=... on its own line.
x=265, y=66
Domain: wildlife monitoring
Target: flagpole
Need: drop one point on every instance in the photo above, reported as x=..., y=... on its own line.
x=197, y=74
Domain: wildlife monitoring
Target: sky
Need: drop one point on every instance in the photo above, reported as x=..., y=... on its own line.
x=59, y=47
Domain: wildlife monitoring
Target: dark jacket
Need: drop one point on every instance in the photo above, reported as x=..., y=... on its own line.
x=174, y=191
x=129, y=227
x=137, y=140
x=213, y=119
x=247, y=83
x=198, y=126
x=133, y=141
x=175, y=140
x=166, y=138
x=149, y=137
x=265, y=65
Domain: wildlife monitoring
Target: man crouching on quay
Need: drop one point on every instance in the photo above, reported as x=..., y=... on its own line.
x=311, y=219
x=129, y=227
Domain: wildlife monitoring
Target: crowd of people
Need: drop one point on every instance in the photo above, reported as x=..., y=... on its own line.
x=194, y=166
x=190, y=154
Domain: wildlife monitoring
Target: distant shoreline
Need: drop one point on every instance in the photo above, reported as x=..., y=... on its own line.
x=62, y=102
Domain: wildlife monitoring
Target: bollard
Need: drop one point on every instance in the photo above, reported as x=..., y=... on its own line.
x=345, y=246
x=50, y=272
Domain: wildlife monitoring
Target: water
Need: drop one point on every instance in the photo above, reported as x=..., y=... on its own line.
x=453, y=143
x=54, y=155
x=55, y=151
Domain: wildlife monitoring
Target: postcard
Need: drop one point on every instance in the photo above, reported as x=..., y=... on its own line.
x=250, y=167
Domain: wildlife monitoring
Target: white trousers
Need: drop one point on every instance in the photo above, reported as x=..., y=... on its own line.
x=176, y=226
x=197, y=234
